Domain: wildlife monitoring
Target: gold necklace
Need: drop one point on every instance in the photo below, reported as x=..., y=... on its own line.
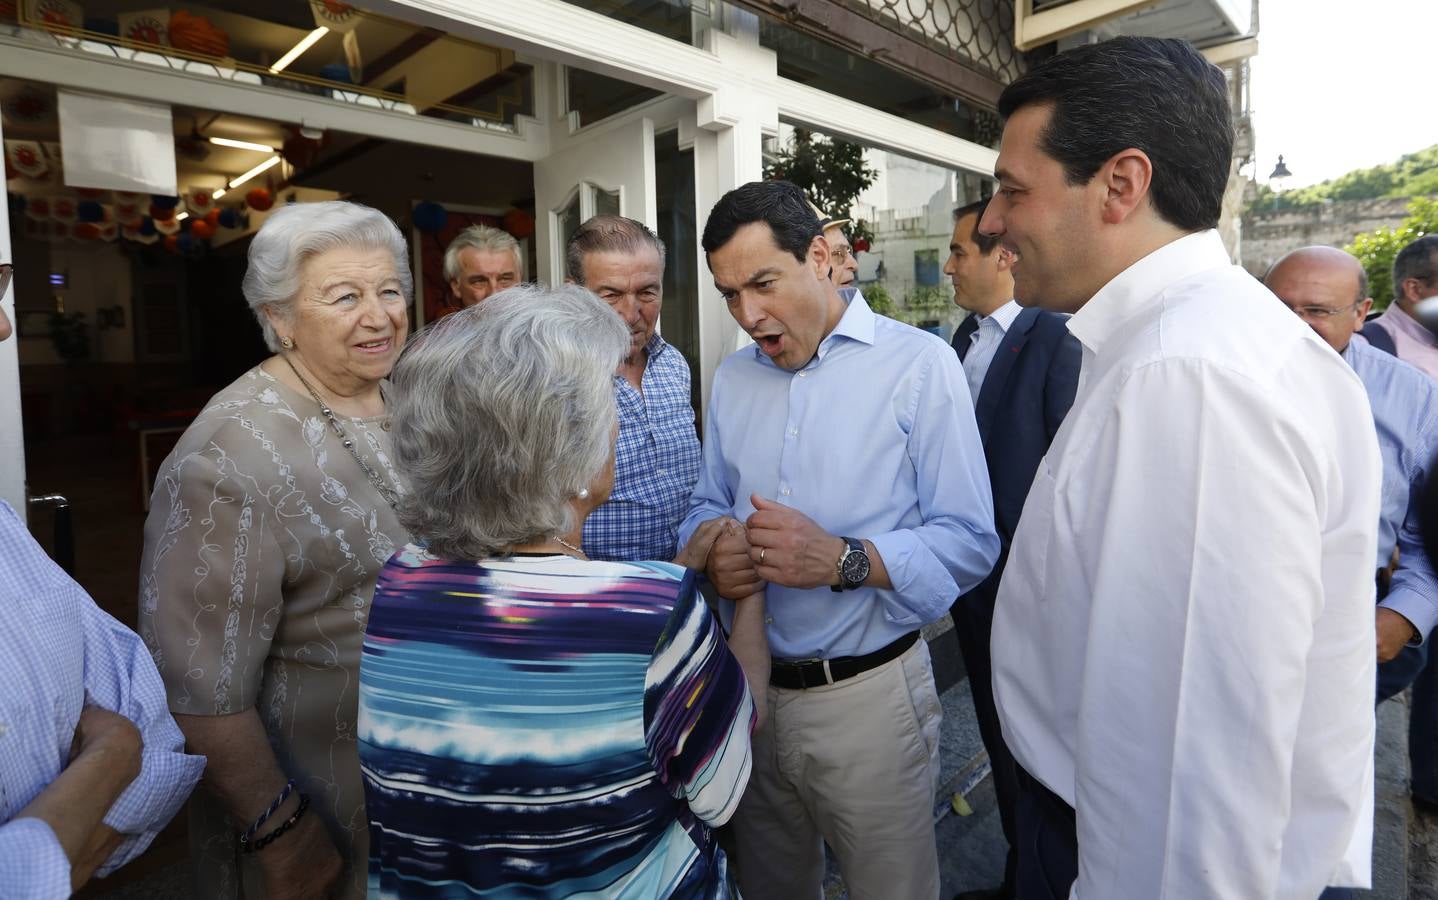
x=348, y=442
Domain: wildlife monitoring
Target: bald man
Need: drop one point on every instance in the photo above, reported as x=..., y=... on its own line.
x=1328, y=289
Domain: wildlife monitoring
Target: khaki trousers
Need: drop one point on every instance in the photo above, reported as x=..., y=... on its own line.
x=853, y=764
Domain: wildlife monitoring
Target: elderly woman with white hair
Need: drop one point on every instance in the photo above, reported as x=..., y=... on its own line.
x=267, y=527
x=533, y=723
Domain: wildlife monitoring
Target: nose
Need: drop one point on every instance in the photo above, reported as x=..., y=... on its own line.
x=628, y=309
x=949, y=266
x=372, y=312
x=747, y=312
x=992, y=223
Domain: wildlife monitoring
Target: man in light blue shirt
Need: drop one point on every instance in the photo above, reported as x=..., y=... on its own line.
x=1328, y=288
x=847, y=440
x=91, y=763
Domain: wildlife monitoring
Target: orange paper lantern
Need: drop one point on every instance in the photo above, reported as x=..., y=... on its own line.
x=202, y=229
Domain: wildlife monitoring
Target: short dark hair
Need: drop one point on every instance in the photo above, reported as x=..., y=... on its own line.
x=607, y=234
x=779, y=204
x=1158, y=95
x=986, y=242
x=1415, y=261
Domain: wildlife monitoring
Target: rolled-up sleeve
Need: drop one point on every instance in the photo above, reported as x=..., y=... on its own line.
x=33, y=865
x=955, y=545
x=1413, y=592
x=713, y=496
x=120, y=676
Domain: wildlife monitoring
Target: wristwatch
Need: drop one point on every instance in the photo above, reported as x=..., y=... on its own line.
x=853, y=566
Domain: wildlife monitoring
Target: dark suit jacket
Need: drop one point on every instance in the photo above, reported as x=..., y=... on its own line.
x=1026, y=393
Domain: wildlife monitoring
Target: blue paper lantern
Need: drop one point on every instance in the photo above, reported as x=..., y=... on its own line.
x=430, y=216
x=89, y=211
x=164, y=202
x=229, y=218
x=184, y=243
x=147, y=226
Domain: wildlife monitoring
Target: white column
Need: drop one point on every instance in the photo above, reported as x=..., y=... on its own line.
x=12, y=438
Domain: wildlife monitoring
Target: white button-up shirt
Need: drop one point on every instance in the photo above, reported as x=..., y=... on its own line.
x=1183, y=639
x=984, y=343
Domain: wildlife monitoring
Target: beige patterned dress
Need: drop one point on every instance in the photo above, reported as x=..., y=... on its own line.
x=261, y=549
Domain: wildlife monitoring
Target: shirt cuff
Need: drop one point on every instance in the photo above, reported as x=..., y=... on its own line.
x=1416, y=609
x=151, y=801
x=33, y=865
x=923, y=588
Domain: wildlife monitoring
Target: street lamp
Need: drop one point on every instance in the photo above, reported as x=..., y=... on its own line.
x=1276, y=180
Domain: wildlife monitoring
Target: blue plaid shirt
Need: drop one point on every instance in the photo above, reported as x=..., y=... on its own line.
x=59, y=652
x=656, y=463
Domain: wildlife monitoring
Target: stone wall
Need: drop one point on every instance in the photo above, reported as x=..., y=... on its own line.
x=1269, y=235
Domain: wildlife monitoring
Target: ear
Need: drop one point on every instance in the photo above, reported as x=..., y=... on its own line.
x=1363, y=309
x=819, y=257
x=1124, y=180
x=1005, y=258
x=277, y=320
x=454, y=287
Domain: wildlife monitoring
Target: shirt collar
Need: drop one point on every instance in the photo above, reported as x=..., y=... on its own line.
x=1410, y=326
x=653, y=347
x=1131, y=290
x=1004, y=316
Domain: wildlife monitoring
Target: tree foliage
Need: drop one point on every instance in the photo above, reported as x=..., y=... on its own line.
x=1376, y=249
x=877, y=296
x=1413, y=175
x=832, y=172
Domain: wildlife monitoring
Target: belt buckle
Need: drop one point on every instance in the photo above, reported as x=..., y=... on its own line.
x=804, y=678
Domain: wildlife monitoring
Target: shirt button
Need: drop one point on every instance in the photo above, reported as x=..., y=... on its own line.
x=802, y=374
x=794, y=432
x=785, y=492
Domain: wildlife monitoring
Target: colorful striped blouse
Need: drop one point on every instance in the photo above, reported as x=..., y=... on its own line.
x=545, y=727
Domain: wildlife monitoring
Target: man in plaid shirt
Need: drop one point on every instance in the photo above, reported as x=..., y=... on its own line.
x=656, y=460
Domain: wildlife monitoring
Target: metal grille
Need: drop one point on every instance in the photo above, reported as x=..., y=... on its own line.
x=981, y=32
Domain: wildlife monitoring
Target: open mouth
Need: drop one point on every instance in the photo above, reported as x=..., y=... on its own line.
x=379, y=346
x=771, y=344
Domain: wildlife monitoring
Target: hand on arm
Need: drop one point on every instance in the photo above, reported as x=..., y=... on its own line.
x=104, y=759
x=789, y=548
x=244, y=775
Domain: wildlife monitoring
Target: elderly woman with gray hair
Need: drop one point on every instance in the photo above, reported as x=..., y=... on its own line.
x=533, y=723
x=267, y=527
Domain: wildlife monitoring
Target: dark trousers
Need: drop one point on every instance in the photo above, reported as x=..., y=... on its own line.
x=1423, y=733
x=1047, y=842
x=973, y=621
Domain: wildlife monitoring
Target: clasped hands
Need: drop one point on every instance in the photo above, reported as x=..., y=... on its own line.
x=776, y=544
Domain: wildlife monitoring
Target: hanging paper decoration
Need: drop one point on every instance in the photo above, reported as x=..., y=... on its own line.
x=166, y=226
x=260, y=199
x=103, y=26
x=147, y=26
x=59, y=14
x=334, y=15
x=165, y=202
x=38, y=209
x=518, y=223
x=229, y=218
x=87, y=231
x=89, y=211
x=109, y=231
x=172, y=243
x=147, y=228
x=202, y=230
x=213, y=216
x=161, y=214
x=64, y=209
x=197, y=35
x=26, y=158
x=199, y=201
x=128, y=212
x=300, y=151
x=429, y=216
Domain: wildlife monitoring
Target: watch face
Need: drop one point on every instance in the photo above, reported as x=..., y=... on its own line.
x=856, y=568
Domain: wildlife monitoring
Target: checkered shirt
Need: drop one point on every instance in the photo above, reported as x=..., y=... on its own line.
x=59, y=652
x=656, y=463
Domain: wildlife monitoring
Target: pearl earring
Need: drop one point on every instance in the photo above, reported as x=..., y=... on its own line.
x=583, y=494
x=287, y=343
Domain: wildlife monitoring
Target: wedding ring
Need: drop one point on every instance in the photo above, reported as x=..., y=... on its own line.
x=761, y=555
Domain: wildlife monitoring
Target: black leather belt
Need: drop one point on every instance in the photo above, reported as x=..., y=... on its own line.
x=800, y=674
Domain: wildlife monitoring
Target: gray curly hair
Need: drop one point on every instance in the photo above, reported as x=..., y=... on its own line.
x=502, y=413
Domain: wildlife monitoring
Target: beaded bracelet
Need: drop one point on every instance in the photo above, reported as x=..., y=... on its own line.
x=279, y=801
x=248, y=845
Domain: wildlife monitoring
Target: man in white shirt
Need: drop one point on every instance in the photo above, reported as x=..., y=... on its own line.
x=1183, y=639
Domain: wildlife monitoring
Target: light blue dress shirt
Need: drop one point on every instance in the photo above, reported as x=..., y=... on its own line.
x=873, y=438
x=59, y=652
x=984, y=343
x=1405, y=410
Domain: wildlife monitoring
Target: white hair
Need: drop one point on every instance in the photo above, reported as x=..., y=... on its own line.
x=502, y=413
x=481, y=237
x=297, y=231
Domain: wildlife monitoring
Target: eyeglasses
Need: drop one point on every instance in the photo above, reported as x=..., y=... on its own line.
x=1323, y=312
x=7, y=272
x=840, y=254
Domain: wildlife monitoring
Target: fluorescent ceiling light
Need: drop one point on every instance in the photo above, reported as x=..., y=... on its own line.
x=305, y=43
x=218, y=194
x=242, y=145
x=267, y=164
x=182, y=217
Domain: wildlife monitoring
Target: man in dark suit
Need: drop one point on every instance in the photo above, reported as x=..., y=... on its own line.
x=1022, y=366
